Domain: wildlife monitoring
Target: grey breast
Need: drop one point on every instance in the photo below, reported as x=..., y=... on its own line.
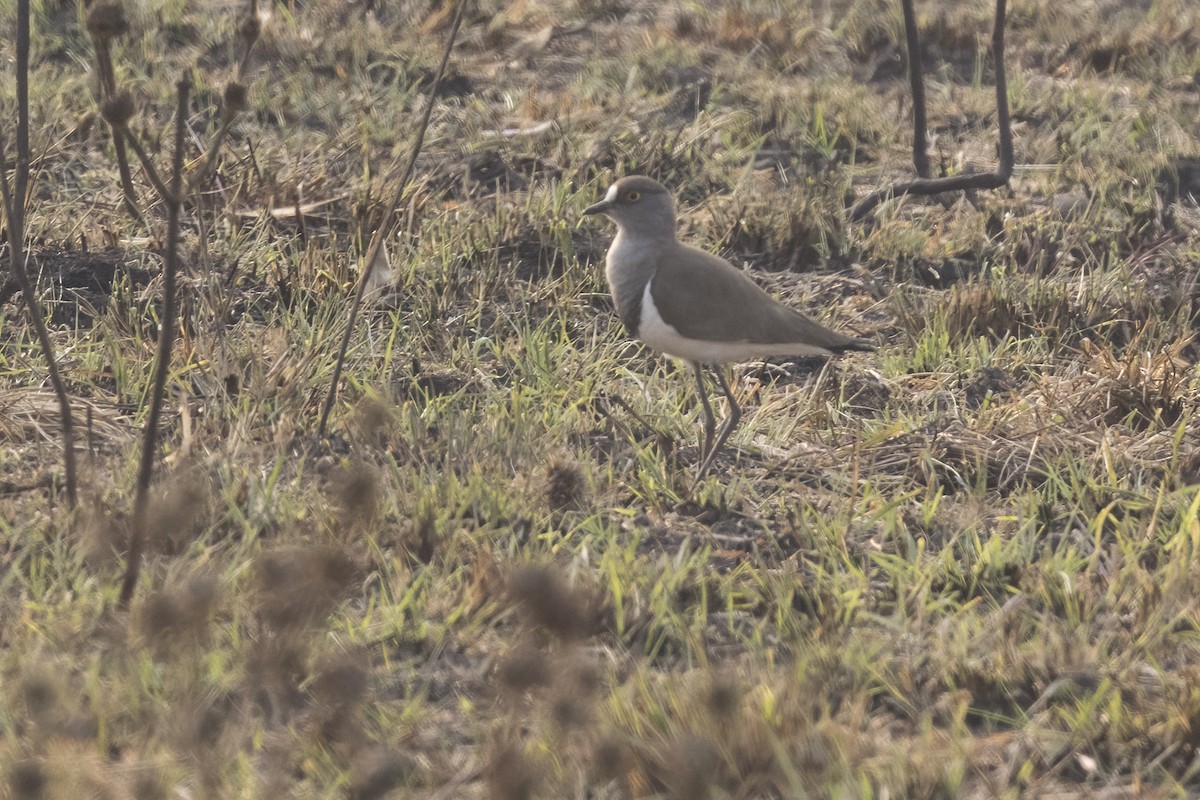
x=630, y=265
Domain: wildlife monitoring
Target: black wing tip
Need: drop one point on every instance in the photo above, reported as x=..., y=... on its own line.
x=856, y=345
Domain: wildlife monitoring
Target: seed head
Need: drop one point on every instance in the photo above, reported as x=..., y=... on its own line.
x=27, y=779
x=234, y=100
x=106, y=20
x=508, y=773
x=690, y=765
x=523, y=669
x=549, y=602
x=378, y=772
x=117, y=110
x=721, y=695
x=565, y=486
x=41, y=695
x=249, y=29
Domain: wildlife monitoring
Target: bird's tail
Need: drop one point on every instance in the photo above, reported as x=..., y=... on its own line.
x=855, y=345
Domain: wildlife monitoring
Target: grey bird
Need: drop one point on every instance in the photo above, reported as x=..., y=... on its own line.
x=695, y=306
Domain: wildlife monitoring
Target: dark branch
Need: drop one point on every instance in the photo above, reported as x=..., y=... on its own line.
x=172, y=197
x=984, y=180
x=108, y=91
x=1002, y=116
x=14, y=207
x=916, y=79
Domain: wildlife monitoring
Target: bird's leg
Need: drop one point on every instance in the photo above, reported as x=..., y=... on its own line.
x=710, y=422
x=731, y=421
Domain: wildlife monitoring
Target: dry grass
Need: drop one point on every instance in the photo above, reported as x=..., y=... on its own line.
x=961, y=567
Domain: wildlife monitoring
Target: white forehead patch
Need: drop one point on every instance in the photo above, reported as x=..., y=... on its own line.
x=612, y=193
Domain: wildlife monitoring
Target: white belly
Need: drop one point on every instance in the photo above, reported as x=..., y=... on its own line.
x=654, y=331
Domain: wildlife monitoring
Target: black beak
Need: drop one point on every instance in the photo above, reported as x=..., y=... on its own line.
x=598, y=208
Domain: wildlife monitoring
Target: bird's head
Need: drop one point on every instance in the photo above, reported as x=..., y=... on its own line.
x=639, y=205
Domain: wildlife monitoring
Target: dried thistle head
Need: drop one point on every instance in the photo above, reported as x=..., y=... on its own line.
x=298, y=586
x=118, y=109
x=357, y=490
x=106, y=20
x=611, y=759
x=690, y=766
x=377, y=772
x=249, y=29
x=177, y=614
x=565, y=488
x=722, y=696
x=523, y=668
x=509, y=775
x=27, y=779
x=547, y=601
x=233, y=101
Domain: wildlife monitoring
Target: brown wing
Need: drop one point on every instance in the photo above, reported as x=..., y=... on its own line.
x=712, y=301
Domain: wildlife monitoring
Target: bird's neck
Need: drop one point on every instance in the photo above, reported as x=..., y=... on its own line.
x=636, y=240
x=633, y=255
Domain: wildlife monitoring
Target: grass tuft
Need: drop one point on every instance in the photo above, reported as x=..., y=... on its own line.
x=961, y=566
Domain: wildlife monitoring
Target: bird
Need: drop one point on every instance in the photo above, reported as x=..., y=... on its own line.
x=695, y=306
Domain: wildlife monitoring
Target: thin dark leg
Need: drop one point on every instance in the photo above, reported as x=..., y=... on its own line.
x=731, y=421
x=710, y=422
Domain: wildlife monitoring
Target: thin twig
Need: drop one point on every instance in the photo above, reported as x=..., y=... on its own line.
x=129, y=194
x=389, y=217
x=172, y=198
x=6, y=200
x=234, y=98
x=982, y=180
x=8, y=488
x=14, y=208
x=108, y=90
x=209, y=160
x=147, y=165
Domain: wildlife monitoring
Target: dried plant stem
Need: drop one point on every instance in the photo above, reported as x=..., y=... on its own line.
x=985, y=180
x=172, y=198
x=232, y=103
x=14, y=209
x=209, y=160
x=916, y=80
x=147, y=164
x=108, y=88
x=128, y=192
x=386, y=222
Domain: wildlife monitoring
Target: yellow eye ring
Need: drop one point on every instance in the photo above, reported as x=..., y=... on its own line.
x=633, y=197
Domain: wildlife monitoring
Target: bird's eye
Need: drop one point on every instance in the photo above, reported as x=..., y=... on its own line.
x=633, y=197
